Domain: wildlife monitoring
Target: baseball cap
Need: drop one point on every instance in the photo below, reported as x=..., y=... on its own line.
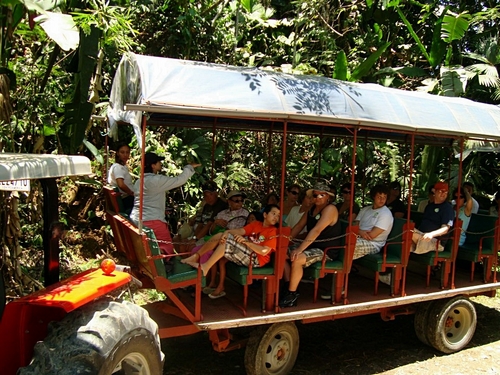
x=236, y=193
x=152, y=158
x=319, y=186
x=441, y=186
x=210, y=186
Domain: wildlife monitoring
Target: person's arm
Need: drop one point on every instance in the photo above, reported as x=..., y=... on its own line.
x=468, y=203
x=436, y=233
x=169, y=183
x=370, y=234
x=259, y=249
x=299, y=226
x=328, y=216
x=399, y=215
x=123, y=186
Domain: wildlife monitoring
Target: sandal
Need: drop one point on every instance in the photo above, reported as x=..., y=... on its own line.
x=215, y=296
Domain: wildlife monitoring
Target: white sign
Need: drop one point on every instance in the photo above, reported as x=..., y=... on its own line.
x=17, y=185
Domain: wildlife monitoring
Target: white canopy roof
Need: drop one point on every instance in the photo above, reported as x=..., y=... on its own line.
x=154, y=84
x=35, y=166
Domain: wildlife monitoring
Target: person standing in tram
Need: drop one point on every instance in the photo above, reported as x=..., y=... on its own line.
x=119, y=176
x=323, y=230
x=153, y=205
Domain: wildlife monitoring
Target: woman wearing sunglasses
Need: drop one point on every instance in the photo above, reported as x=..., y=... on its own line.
x=323, y=230
x=292, y=195
x=464, y=204
x=344, y=205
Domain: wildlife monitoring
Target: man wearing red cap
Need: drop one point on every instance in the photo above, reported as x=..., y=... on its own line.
x=436, y=222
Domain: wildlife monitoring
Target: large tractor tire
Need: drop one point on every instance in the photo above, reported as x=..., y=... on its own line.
x=103, y=338
x=421, y=321
x=451, y=324
x=272, y=350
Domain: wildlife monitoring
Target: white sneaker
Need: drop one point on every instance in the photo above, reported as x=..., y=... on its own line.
x=385, y=279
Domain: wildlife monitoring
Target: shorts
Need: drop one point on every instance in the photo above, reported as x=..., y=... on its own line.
x=421, y=247
x=312, y=256
x=239, y=253
x=364, y=247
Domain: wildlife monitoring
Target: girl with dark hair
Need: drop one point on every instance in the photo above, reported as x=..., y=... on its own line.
x=119, y=176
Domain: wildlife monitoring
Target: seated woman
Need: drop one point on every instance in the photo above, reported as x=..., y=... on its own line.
x=292, y=193
x=345, y=204
x=153, y=204
x=323, y=230
x=306, y=201
x=238, y=245
x=119, y=176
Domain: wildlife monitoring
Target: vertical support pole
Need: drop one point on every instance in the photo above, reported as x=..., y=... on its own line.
x=455, y=243
x=410, y=180
x=269, y=157
x=214, y=129
x=282, y=199
x=50, y=243
x=320, y=152
x=353, y=172
x=141, y=185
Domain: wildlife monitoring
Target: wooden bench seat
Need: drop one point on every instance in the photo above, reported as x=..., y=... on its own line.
x=148, y=263
x=269, y=273
x=481, y=244
x=393, y=255
x=340, y=267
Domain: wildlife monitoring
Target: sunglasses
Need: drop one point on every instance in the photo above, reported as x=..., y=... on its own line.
x=346, y=192
x=237, y=200
x=456, y=197
x=318, y=195
x=294, y=192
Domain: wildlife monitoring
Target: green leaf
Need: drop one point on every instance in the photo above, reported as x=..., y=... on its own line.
x=61, y=29
x=454, y=27
x=364, y=68
x=415, y=37
x=94, y=151
x=340, y=71
x=77, y=118
x=438, y=46
x=453, y=80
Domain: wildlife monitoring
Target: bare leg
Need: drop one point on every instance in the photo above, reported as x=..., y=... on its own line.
x=213, y=276
x=216, y=256
x=296, y=272
x=222, y=277
x=286, y=270
x=207, y=246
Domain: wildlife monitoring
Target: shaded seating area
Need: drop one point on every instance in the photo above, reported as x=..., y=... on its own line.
x=149, y=266
x=481, y=245
x=394, y=255
x=269, y=274
x=339, y=268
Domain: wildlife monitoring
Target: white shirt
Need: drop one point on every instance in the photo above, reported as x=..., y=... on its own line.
x=155, y=187
x=120, y=171
x=294, y=217
x=475, y=206
x=381, y=218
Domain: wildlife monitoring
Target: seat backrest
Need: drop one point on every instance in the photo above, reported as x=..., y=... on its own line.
x=155, y=250
x=113, y=199
x=416, y=217
x=395, y=238
x=481, y=226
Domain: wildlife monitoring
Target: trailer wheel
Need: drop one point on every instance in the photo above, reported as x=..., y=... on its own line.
x=451, y=324
x=103, y=338
x=421, y=321
x=272, y=350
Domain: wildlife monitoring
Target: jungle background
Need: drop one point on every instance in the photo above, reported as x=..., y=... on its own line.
x=57, y=61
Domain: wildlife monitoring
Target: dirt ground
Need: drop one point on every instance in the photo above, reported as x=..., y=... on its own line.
x=363, y=345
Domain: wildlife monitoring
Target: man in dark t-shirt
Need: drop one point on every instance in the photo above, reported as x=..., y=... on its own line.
x=436, y=222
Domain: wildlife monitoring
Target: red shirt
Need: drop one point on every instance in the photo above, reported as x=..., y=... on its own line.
x=263, y=236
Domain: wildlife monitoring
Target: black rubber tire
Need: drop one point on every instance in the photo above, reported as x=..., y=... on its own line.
x=421, y=321
x=105, y=337
x=451, y=324
x=272, y=350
